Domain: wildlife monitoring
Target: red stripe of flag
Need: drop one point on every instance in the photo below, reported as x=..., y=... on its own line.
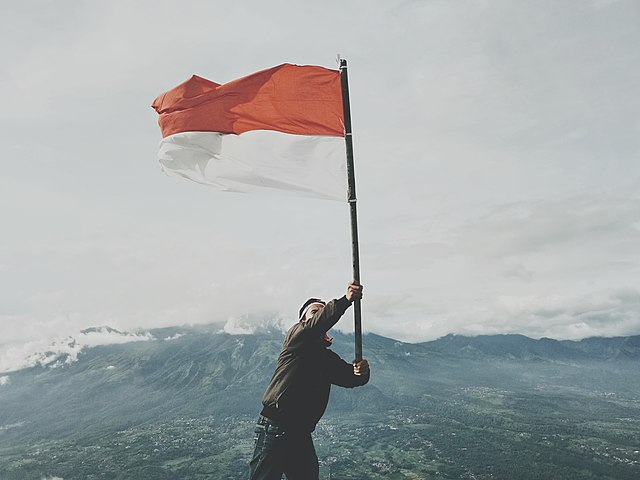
x=300, y=100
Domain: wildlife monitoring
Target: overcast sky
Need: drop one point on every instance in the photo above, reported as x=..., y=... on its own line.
x=497, y=148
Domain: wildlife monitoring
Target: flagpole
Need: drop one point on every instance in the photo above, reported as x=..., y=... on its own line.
x=355, y=252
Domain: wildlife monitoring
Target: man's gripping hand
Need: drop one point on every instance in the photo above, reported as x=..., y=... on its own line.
x=360, y=367
x=354, y=291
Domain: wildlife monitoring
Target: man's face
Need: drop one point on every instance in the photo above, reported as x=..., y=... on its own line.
x=312, y=311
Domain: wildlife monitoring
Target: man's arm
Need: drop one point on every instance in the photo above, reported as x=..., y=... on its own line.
x=332, y=312
x=327, y=317
x=346, y=374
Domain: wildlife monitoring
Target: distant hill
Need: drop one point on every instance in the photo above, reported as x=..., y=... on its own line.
x=545, y=349
x=141, y=404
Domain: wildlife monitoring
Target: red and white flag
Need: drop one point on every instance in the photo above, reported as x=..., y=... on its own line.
x=280, y=130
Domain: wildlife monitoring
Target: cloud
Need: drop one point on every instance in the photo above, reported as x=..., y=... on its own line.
x=60, y=352
x=174, y=337
x=249, y=324
x=519, y=271
x=556, y=314
x=4, y=380
x=427, y=277
x=573, y=221
x=499, y=161
x=235, y=326
x=613, y=312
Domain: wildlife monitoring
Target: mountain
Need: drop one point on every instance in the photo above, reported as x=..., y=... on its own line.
x=180, y=402
x=610, y=348
x=544, y=349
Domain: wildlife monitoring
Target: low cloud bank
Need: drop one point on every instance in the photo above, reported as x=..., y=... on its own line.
x=62, y=351
x=249, y=324
x=559, y=315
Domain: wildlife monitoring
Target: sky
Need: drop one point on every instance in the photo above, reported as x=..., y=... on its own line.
x=497, y=148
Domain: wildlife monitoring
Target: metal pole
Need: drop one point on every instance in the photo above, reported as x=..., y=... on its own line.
x=357, y=313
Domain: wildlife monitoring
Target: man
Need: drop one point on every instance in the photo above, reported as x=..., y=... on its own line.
x=299, y=391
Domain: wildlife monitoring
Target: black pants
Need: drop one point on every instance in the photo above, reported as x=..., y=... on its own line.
x=277, y=452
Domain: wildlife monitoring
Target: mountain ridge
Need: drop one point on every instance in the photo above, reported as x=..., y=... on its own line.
x=511, y=346
x=163, y=407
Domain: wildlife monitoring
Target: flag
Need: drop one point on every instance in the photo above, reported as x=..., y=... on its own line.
x=280, y=130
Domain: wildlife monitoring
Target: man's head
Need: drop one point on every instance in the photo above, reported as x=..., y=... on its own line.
x=310, y=308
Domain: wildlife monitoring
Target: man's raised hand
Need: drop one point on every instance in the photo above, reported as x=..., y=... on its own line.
x=354, y=291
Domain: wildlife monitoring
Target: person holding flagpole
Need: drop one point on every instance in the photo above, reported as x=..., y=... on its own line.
x=298, y=393
x=282, y=130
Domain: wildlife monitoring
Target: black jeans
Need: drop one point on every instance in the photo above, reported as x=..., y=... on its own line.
x=277, y=451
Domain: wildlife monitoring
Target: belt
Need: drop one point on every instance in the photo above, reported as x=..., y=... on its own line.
x=269, y=426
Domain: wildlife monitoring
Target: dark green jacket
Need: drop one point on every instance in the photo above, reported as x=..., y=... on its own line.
x=299, y=390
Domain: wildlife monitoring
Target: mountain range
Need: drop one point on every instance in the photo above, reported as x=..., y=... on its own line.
x=468, y=405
